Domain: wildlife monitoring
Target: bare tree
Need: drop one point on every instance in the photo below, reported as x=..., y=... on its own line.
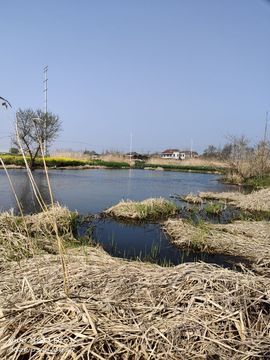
x=36, y=128
x=211, y=152
x=247, y=162
x=262, y=153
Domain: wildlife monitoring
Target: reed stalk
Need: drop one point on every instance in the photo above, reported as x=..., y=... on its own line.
x=30, y=175
x=59, y=241
x=43, y=205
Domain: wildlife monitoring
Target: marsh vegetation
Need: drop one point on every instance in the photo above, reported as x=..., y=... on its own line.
x=146, y=210
x=186, y=311
x=78, y=301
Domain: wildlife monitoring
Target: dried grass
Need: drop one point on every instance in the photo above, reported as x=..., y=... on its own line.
x=192, y=199
x=255, y=201
x=188, y=162
x=250, y=240
x=130, y=310
x=149, y=209
x=19, y=234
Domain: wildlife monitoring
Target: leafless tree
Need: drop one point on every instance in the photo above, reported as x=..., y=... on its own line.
x=247, y=162
x=262, y=154
x=36, y=128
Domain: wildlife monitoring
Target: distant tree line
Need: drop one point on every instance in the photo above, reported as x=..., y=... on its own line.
x=225, y=152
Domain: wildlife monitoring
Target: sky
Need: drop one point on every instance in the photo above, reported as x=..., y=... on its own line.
x=173, y=73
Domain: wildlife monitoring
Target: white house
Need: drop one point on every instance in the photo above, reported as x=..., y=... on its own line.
x=178, y=155
x=171, y=154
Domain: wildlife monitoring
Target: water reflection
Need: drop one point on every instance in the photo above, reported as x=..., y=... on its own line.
x=146, y=242
x=25, y=193
x=92, y=191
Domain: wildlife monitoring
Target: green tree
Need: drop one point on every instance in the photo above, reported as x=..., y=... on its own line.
x=14, y=151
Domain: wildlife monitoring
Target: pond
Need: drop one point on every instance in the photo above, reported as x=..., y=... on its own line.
x=146, y=242
x=92, y=191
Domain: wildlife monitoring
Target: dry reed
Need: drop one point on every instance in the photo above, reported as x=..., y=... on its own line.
x=255, y=201
x=115, y=309
x=41, y=201
x=60, y=244
x=149, y=209
x=23, y=236
x=188, y=162
x=250, y=240
x=129, y=310
x=192, y=199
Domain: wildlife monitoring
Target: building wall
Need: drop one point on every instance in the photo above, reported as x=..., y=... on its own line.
x=175, y=155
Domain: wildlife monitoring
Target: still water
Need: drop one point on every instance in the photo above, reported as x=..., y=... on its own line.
x=92, y=191
x=147, y=242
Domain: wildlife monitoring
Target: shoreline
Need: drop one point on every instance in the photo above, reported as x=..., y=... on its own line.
x=190, y=169
x=250, y=184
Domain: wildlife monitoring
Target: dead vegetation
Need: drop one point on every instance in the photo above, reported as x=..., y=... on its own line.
x=257, y=201
x=129, y=310
x=247, y=162
x=115, y=309
x=250, y=240
x=149, y=209
x=188, y=162
x=25, y=236
x=88, y=305
x=191, y=198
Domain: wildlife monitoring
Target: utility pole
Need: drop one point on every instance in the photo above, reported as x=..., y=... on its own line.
x=45, y=82
x=265, y=129
x=130, y=147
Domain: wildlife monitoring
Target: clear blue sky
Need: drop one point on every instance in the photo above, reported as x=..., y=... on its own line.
x=166, y=70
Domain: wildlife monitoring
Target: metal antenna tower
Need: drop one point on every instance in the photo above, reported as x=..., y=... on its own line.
x=45, y=82
x=265, y=129
x=130, y=147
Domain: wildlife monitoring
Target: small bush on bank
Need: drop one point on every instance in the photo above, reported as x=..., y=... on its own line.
x=258, y=182
x=213, y=208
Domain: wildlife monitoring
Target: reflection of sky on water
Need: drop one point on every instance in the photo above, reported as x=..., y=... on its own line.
x=91, y=191
x=146, y=242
